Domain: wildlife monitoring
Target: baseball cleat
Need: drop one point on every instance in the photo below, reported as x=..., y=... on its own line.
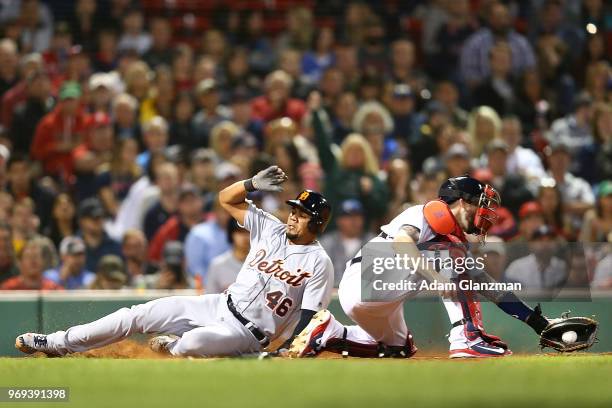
x=482, y=349
x=30, y=343
x=308, y=342
x=159, y=344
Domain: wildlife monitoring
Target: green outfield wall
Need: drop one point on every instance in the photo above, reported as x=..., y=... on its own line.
x=33, y=311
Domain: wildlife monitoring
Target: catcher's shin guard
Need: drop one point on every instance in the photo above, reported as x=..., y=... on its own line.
x=472, y=320
x=350, y=348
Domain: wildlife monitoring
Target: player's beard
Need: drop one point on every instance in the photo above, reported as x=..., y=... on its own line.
x=291, y=236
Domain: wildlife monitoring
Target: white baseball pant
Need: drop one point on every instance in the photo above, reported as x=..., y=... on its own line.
x=205, y=325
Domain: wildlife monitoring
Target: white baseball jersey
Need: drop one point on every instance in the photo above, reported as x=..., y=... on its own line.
x=277, y=278
x=410, y=216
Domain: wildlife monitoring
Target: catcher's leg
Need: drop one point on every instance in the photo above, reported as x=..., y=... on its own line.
x=380, y=331
x=176, y=315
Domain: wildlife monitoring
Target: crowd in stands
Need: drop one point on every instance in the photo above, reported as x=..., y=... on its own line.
x=121, y=120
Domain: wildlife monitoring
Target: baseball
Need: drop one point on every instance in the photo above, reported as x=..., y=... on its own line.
x=569, y=337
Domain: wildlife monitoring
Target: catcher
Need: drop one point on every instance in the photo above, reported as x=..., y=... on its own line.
x=465, y=206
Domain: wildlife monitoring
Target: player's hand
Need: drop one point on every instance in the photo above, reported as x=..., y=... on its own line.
x=269, y=179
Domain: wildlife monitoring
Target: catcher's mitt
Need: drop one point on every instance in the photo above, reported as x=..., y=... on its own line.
x=584, y=327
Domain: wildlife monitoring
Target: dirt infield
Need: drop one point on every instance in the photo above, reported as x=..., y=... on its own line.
x=132, y=349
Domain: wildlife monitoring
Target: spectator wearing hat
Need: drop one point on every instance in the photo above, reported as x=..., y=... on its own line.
x=576, y=193
x=91, y=224
x=155, y=138
x=189, y=214
x=224, y=268
x=8, y=264
x=542, y=268
x=21, y=184
x=27, y=114
x=171, y=274
x=344, y=242
x=31, y=267
x=530, y=218
x=521, y=160
x=211, y=112
x=276, y=101
x=95, y=151
x=59, y=132
x=456, y=160
x=597, y=223
x=110, y=273
x=205, y=241
x=402, y=106
x=71, y=273
x=101, y=92
x=134, y=253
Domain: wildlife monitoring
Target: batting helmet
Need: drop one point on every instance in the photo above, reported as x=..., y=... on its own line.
x=315, y=205
x=476, y=193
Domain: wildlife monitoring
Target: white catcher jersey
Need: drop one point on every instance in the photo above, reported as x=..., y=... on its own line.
x=410, y=216
x=278, y=279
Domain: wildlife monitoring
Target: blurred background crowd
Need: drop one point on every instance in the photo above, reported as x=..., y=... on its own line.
x=121, y=120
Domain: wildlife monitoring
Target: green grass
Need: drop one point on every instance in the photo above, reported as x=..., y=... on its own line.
x=557, y=381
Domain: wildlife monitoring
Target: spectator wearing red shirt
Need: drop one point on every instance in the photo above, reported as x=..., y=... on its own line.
x=178, y=226
x=59, y=132
x=31, y=267
x=276, y=103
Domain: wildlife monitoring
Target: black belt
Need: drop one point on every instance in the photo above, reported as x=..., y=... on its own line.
x=355, y=260
x=460, y=322
x=263, y=340
x=358, y=259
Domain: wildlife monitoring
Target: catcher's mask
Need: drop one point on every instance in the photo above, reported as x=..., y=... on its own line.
x=472, y=191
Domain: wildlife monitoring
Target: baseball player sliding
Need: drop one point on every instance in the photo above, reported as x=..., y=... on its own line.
x=465, y=206
x=287, y=277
